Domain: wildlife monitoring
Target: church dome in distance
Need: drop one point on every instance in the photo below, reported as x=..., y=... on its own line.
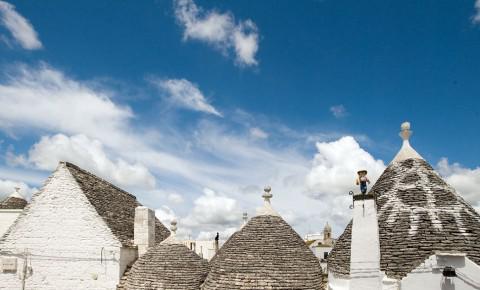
x=265, y=254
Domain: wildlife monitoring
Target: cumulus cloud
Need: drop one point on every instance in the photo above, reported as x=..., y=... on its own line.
x=338, y=111
x=185, y=94
x=219, y=30
x=335, y=165
x=7, y=187
x=212, y=208
x=466, y=181
x=87, y=153
x=476, y=17
x=165, y=214
x=20, y=28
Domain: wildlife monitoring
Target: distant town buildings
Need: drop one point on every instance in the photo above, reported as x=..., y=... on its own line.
x=321, y=245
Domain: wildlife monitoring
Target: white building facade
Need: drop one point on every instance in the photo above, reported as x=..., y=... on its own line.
x=65, y=240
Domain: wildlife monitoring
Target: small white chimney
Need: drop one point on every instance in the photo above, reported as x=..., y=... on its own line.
x=144, y=229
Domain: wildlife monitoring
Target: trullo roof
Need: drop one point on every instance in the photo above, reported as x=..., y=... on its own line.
x=167, y=266
x=419, y=214
x=265, y=254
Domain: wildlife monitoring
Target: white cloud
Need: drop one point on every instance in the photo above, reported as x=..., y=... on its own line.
x=87, y=153
x=219, y=30
x=476, y=17
x=7, y=187
x=44, y=98
x=335, y=167
x=338, y=111
x=466, y=181
x=175, y=198
x=214, y=209
x=166, y=215
x=186, y=94
x=20, y=28
x=208, y=154
x=258, y=133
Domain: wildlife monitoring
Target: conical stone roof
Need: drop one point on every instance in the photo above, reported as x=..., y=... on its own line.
x=14, y=201
x=167, y=266
x=418, y=213
x=265, y=254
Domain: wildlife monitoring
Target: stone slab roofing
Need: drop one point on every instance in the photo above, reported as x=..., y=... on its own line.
x=12, y=202
x=419, y=214
x=265, y=254
x=167, y=266
x=114, y=205
x=339, y=258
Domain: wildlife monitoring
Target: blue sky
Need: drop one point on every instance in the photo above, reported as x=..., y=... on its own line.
x=195, y=105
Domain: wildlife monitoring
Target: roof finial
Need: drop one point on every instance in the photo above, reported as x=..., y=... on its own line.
x=405, y=133
x=267, y=206
x=266, y=194
x=406, y=152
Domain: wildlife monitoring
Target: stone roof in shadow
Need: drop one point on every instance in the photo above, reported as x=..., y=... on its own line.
x=339, y=258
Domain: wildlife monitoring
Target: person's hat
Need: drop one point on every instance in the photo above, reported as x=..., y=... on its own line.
x=362, y=171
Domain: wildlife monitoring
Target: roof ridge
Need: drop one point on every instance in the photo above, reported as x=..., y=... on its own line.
x=70, y=164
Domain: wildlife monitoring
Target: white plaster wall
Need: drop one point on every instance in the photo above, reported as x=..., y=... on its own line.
x=337, y=282
x=127, y=257
x=428, y=276
x=365, y=249
x=7, y=217
x=68, y=245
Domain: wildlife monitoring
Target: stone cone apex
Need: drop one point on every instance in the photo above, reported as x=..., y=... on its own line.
x=407, y=151
x=17, y=193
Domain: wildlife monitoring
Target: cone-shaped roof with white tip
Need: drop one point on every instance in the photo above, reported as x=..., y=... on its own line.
x=265, y=254
x=168, y=265
x=406, y=152
x=14, y=201
x=418, y=214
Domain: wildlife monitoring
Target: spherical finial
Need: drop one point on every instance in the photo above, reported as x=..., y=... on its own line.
x=267, y=195
x=405, y=133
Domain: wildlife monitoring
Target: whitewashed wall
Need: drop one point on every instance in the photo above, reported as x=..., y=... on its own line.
x=68, y=245
x=338, y=282
x=7, y=217
x=365, y=248
x=428, y=276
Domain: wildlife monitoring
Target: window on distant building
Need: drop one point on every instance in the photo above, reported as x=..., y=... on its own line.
x=325, y=255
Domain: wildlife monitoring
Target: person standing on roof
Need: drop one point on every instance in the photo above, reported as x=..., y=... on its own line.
x=362, y=180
